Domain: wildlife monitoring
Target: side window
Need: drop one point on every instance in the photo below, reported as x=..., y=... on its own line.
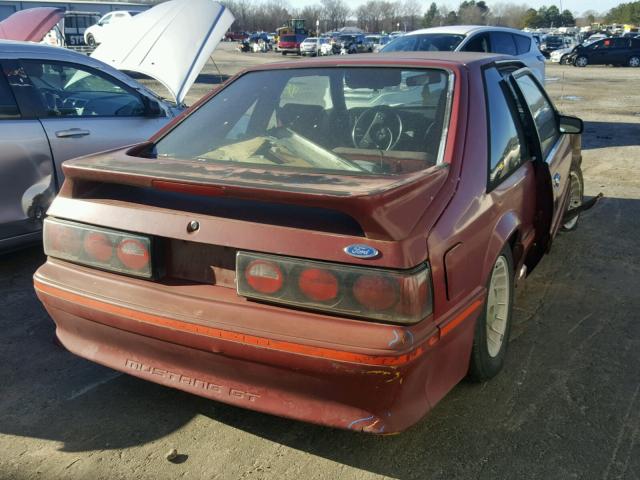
x=621, y=42
x=505, y=142
x=523, y=44
x=479, y=43
x=544, y=115
x=73, y=91
x=8, y=106
x=502, y=42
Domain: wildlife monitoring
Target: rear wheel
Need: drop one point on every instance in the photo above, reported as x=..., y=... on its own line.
x=494, y=324
x=284, y=53
x=581, y=61
x=634, y=62
x=91, y=41
x=576, y=194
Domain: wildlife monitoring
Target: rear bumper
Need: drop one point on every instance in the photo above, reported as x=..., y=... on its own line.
x=360, y=389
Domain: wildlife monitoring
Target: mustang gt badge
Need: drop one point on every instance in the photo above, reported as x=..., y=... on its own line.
x=361, y=251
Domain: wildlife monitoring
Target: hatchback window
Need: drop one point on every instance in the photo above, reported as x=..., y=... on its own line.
x=72, y=91
x=505, y=145
x=8, y=106
x=523, y=44
x=502, y=42
x=429, y=42
x=544, y=115
x=342, y=119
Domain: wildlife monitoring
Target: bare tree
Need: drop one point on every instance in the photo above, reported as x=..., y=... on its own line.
x=508, y=14
x=336, y=13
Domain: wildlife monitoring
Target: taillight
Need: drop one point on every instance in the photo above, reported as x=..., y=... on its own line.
x=386, y=295
x=318, y=284
x=98, y=247
x=264, y=276
x=134, y=254
x=375, y=292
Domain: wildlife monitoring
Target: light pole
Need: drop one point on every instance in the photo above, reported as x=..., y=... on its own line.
x=318, y=37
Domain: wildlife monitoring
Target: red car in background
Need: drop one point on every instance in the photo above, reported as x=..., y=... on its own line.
x=235, y=36
x=290, y=43
x=335, y=241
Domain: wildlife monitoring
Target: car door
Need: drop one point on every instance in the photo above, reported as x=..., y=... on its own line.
x=598, y=53
x=619, y=51
x=552, y=156
x=83, y=110
x=27, y=176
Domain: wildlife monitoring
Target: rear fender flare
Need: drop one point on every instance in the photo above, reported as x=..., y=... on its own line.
x=500, y=236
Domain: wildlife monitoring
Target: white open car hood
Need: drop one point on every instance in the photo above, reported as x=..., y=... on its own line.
x=170, y=42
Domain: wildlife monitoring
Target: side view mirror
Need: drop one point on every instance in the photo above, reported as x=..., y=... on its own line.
x=571, y=125
x=153, y=108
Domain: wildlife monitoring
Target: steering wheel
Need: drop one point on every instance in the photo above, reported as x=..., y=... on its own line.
x=377, y=127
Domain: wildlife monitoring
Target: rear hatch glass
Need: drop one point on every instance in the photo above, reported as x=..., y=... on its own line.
x=342, y=120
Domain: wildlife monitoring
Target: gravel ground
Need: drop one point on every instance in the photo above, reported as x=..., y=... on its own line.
x=566, y=405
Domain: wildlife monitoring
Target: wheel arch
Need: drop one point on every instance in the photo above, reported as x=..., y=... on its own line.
x=506, y=232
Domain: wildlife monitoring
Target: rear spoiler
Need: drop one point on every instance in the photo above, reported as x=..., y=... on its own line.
x=386, y=208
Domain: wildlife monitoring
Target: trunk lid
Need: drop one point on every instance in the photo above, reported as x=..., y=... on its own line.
x=386, y=208
x=30, y=25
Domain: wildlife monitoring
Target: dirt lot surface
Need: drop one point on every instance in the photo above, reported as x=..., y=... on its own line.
x=566, y=406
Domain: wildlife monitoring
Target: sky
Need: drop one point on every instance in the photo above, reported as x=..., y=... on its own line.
x=576, y=6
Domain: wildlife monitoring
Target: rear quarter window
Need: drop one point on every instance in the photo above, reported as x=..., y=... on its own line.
x=523, y=44
x=502, y=42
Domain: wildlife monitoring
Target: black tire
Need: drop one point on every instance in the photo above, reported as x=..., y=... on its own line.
x=483, y=366
x=91, y=41
x=575, y=178
x=581, y=61
x=284, y=53
x=634, y=62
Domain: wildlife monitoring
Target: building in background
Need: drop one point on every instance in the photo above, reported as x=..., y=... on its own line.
x=9, y=7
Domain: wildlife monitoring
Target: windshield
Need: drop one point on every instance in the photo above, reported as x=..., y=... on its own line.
x=427, y=42
x=288, y=38
x=349, y=120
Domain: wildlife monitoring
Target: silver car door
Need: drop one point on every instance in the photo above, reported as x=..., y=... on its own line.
x=27, y=177
x=85, y=111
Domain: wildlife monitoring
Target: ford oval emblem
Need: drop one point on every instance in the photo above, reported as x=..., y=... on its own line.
x=361, y=251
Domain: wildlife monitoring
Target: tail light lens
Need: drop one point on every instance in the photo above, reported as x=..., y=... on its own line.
x=318, y=284
x=120, y=252
x=402, y=297
x=375, y=292
x=264, y=277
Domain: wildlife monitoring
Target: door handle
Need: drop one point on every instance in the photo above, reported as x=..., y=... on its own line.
x=72, y=132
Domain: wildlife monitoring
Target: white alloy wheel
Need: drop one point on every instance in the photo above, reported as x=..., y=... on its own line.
x=498, y=303
x=634, y=62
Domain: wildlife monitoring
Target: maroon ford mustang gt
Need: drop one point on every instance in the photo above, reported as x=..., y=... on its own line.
x=335, y=240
